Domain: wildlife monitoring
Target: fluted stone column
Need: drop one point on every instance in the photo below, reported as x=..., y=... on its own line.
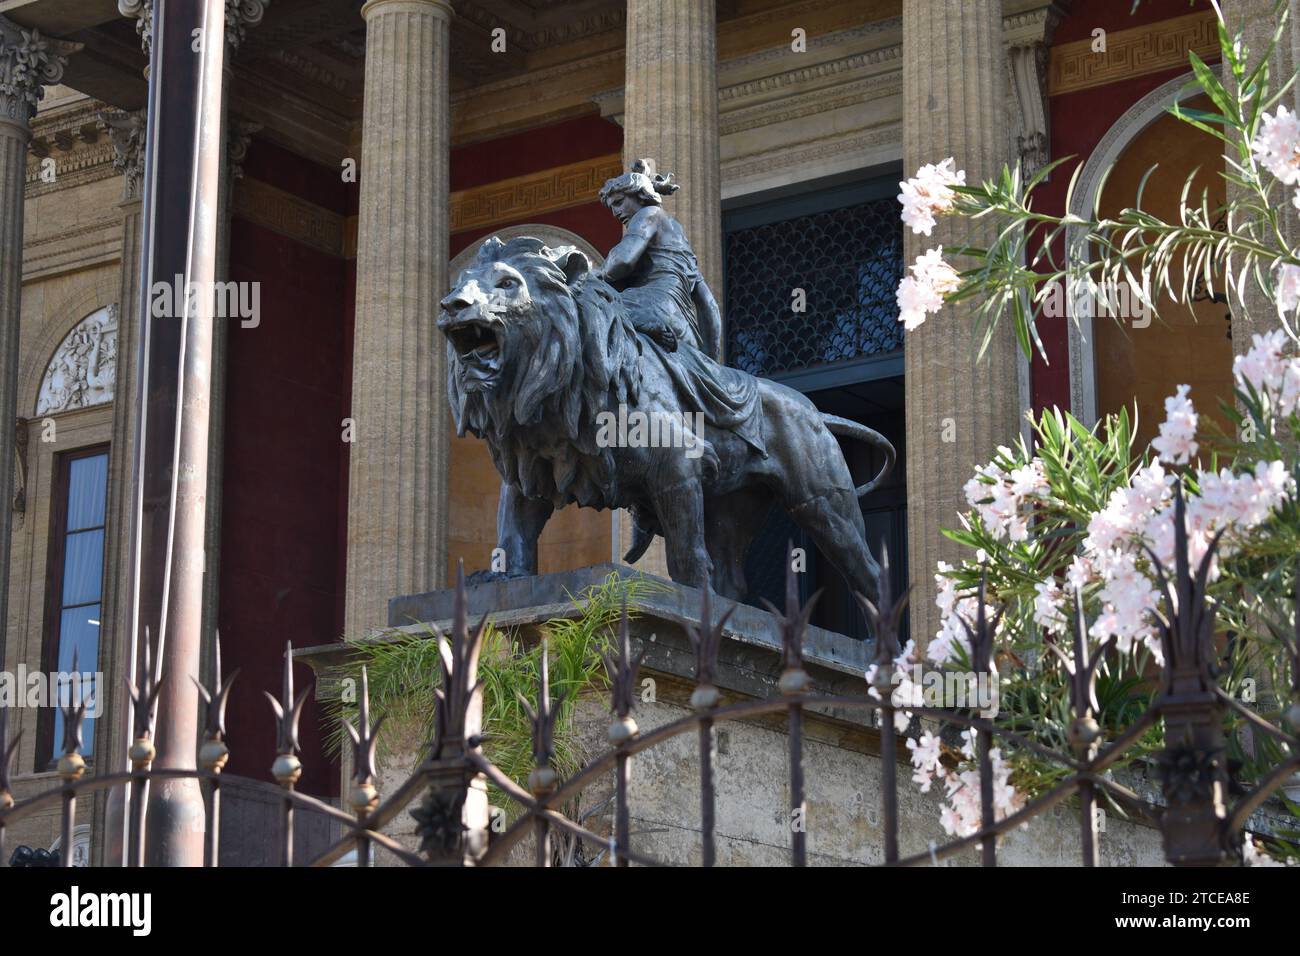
x=28, y=63
x=1255, y=314
x=671, y=115
x=958, y=410
x=1255, y=19
x=397, y=478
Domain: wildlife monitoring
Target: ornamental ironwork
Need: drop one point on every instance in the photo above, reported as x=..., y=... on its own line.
x=847, y=262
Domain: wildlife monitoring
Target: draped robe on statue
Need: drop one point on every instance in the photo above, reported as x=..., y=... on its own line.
x=661, y=292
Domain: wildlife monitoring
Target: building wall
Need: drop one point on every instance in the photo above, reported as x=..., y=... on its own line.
x=284, y=478
x=71, y=250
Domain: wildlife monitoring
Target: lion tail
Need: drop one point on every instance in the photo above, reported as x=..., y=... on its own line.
x=850, y=429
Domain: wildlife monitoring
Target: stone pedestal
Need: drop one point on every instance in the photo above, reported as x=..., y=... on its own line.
x=397, y=478
x=528, y=603
x=843, y=772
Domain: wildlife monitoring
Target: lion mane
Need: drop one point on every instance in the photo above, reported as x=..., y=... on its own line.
x=569, y=355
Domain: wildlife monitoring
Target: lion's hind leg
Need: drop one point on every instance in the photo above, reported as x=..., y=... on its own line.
x=731, y=521
x=834, y=521
x=680, y=509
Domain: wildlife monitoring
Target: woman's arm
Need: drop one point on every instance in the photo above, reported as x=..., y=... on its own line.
x=623, y=257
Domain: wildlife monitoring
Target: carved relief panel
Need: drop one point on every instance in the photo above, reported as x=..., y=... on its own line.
x=82, y=372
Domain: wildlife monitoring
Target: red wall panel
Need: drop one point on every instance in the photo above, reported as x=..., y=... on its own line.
x=1078, y=121
x=284, y=470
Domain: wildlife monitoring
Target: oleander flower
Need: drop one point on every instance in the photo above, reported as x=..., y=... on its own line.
x=1176, y=443
x=929, y=193
x=1286, y=281
x=1277, y=145
x=921, y=293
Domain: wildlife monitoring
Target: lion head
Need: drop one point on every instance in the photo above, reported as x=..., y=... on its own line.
x=536, y=346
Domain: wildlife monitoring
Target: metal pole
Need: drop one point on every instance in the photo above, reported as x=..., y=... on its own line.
x=181, y=217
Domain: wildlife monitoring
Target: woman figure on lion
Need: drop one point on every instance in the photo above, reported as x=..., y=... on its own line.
x=655, y=272
x=654, y=267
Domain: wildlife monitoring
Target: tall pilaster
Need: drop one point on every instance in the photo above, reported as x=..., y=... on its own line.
x=958, y=409
x=397, y=478
x=671, y=115
x=127, y=132
x=28, y=63
x=1254, y=18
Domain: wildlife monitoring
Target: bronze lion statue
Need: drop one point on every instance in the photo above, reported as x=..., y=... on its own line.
x=546, y=367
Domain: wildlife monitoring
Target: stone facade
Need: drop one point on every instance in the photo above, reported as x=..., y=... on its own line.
x=457, y=120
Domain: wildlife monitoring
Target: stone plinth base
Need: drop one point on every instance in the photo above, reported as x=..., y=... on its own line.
x=841, y=762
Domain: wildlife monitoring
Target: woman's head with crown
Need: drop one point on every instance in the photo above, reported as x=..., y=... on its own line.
x=634, y=190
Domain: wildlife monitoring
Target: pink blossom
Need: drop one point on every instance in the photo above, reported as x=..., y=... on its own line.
x=1048, y=601
x=1286, y=283
x=921, y=293
x=928, y=193
x=1263, y=366
x=925, y=759
x=1277, y=145
x=1176, y=443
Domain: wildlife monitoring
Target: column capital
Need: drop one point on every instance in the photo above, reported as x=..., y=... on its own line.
x=141, y=11
x=241, y=135
x=1032, y=24
x=441, y=7
x=127, y=132
x=240, y=15
x=29, y=62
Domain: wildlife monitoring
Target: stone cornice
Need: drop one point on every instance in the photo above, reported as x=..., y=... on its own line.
x=537, y=78
x=851, y=78
x=75, y=139
x=851, y=142
x=851, y=93
x=882, y=34
x=1032, y=27
x=73, y=250
x=804, y=75
x=564, y=31
x=521, y=197
x=1151, y=48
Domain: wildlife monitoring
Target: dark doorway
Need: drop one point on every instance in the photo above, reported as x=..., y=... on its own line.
x=839, y=249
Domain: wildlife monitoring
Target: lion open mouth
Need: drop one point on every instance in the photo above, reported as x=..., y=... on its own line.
x=480, y=352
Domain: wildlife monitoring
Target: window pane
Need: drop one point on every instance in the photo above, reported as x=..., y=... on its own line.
x=87, y=484
x=83, y=567
x=79, y=631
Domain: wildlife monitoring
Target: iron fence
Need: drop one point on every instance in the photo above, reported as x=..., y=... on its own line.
x=1200, y=823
